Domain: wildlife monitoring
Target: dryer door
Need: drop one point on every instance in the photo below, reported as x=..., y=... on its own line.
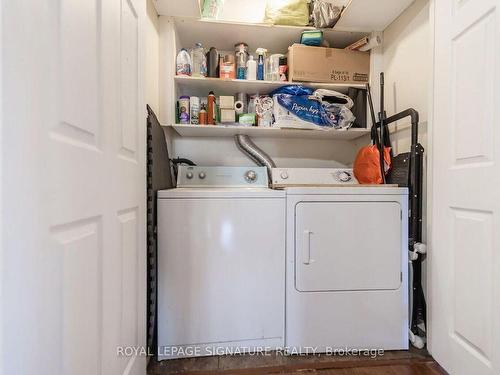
x=347, y=246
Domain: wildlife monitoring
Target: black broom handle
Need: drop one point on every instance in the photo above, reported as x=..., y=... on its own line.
x=381, y=116
x=374, y=133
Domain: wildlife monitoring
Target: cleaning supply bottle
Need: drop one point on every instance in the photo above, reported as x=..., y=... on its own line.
x=211, y=108
x=241, y=54
x=184, y=109
x=283, y=69
x=183, y=63
x=226, y=67
x=251, y=69
x=203, y=115
x=261, y=53
x=194, y=110
x=199, y=61
x=213, y=62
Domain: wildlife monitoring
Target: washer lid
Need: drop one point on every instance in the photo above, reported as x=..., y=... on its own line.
x=348, y=190
x=220, y=193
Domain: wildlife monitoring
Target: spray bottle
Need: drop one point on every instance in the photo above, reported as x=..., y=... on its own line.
x=261, y=53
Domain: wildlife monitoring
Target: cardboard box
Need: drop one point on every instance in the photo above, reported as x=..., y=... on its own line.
x=227, y=115
x=226, y=102
x=329, y=65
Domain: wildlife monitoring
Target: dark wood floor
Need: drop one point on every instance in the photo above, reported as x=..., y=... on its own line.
x=412, y=362
x=408, y=369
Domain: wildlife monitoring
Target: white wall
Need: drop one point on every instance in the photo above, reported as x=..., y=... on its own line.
x=169, y=46
x=152, y=61
x=407, y=63
x=407, y=66
x=285, y=152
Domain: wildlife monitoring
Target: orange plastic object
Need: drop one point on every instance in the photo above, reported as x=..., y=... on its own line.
x=367, y=164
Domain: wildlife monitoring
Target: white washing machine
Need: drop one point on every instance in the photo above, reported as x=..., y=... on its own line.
x=221, y=263
x=347, y=265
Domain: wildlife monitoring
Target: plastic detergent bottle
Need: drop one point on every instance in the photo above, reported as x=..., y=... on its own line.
x=211, y=110
x=251, y=69
x=261, y=53
x=184, y=109
x=183, y=63
x=213, y=62
x=202, y=117
x=199, y=61
x=194, y=109
x=241, y=53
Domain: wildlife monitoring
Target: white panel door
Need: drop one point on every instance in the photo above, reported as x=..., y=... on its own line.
x=465, y=255
x=347, y=246
x=74, y=177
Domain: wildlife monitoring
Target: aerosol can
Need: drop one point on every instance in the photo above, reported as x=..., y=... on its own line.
x=261, y=59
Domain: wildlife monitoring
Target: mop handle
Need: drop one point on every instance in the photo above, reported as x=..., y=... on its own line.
x=381, y=116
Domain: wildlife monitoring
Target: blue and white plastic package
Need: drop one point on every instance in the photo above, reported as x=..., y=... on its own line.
x=300, y=107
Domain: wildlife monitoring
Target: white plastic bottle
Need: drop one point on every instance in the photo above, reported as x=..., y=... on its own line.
x=183, y=63
x=199, y=60
x=251, y=69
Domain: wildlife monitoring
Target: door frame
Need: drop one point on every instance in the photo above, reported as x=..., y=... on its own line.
x=2, y=354
x=429, y=186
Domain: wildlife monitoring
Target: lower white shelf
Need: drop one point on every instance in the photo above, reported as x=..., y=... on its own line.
x=271, y=132
x=197, y=85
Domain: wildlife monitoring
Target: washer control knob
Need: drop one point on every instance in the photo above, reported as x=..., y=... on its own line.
x=251, y=176
x=189, y=175
x=284, y=175
x=345, y=176
x=202, y=175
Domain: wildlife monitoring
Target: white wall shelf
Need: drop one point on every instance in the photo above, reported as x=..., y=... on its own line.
x=224, y=34
x=179, y=8
x=193, y=86
x=264, y=132
x=360, y=16
x=369, y=15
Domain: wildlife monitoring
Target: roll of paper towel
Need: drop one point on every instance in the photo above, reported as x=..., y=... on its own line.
x=373, y=41
x=239, y=107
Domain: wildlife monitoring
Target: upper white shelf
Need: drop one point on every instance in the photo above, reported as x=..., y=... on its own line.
x=264, y=132
x=369, y=15
x=224, y=34
x=179, y=8
x=195, y=85
x=359, y=15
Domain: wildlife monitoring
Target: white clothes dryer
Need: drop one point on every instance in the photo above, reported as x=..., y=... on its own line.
x=347, y=268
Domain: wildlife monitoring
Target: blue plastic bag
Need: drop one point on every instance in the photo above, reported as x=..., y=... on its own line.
x=304, y=108
x=316, y=109
x=292, y=90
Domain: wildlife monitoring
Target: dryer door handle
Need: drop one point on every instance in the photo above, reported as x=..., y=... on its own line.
x=306, y=247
